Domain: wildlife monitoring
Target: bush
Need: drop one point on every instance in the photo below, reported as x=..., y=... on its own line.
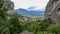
x=44, y=24
x=45, y=32
x=29, y=26
x=1, y=3
x=34, y=26
x=14, y=25
x=54, y=28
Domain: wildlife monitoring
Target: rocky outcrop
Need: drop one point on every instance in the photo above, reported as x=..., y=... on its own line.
x=9, y=5
x=53, y=11
x=26, y=32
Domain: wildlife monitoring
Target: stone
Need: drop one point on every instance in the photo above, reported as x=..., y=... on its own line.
x=9, y=5
x=26, y=32
x=53, y=11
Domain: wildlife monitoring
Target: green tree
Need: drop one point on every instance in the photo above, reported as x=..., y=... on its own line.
x=44, y=24
x=14, y=25
x=1, y=3
x=2, y=10
x=54, y=28
x=3, y=22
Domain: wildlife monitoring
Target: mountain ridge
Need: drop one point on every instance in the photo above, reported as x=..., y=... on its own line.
x=28, y=13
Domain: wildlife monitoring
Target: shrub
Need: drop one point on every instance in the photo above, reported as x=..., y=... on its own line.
x=44, y=32
x=44, y=24
x=1, y=3
x=54, y=28
x=14, y=25
x=32, y=27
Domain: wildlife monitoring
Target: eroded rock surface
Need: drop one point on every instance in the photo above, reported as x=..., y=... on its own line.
x=10, y=5
x=26, y=32
x=53, y=11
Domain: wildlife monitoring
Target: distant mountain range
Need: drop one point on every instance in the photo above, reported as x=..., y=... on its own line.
x=25, y=12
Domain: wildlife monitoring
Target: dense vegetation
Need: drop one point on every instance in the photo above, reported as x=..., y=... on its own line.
x=12, y=25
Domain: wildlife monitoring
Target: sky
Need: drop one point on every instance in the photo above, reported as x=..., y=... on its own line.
x=30, y=4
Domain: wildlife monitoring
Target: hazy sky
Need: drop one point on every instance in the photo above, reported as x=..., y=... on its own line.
x=38, y=4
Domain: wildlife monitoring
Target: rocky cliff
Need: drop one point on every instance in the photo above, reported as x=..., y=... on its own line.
x=53, y=11
x=9, y=5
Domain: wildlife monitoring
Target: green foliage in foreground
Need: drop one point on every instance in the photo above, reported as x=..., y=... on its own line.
x=1, y=3
x=34, y=26
x=54, y=28
x=12, y=25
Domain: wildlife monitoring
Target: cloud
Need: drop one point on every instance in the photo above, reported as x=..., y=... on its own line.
x=39, y=4
x=32, y=7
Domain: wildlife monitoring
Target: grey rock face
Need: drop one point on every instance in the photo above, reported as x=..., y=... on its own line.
x=27, y=32
x=10, y=5
x=8, y=2
x=53, y=11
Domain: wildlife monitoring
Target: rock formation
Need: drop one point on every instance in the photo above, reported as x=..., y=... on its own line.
x=9, y=5
x=53, y=11
x=26, y=32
